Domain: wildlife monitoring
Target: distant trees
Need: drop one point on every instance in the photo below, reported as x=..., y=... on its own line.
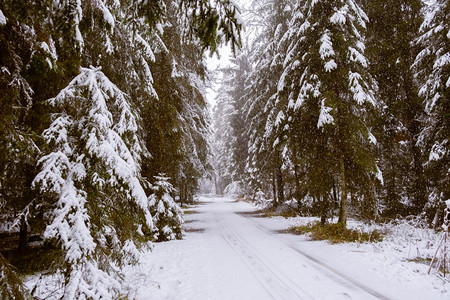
x=230, y=128
x=223, y=135
x=345, y=107
x=98, y=98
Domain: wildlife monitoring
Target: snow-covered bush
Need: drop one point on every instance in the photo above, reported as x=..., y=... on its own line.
x=207, y=186
x=233, y=189
x=167, y=215
x=90, y=179
x=260, y=200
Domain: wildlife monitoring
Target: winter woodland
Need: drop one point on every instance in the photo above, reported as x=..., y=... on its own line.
x=330, y=107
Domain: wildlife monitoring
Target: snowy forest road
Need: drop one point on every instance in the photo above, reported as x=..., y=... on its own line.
x=283, y=270
x=229, y=255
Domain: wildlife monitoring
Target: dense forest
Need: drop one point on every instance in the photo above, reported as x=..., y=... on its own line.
x=339, y=108
x=104, y=126
x=336, y=108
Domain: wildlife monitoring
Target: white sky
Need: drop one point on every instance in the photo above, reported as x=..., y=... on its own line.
x=214, y=63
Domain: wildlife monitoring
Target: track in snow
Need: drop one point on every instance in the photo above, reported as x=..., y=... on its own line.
x=284, y=271
x=272, y=279
x=230, y=256
x=333, y=273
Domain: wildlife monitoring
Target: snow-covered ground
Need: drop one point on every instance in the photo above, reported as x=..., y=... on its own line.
x=228, y=254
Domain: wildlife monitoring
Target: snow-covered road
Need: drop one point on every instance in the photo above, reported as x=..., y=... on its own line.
x=227, y=254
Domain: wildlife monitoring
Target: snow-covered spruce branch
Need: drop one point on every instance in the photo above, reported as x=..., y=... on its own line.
x=92, y=178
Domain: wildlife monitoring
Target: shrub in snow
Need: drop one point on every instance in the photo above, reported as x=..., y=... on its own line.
x=167, y=215
x=442, y=251
x=338, y=233
x=260, y=200
x=233, y=189
x=90, y=178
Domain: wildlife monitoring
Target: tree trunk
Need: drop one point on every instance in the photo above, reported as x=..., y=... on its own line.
x=298, y=193
x=280, y=185
x=23, y=233
x=335, y=195
x=216, y=186
x=343, y=208
x=274, y=187
x=420, y=184
x=324, y=210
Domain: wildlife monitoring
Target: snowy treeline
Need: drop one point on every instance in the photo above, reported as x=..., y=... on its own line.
x=98, y=99
x=340, y=107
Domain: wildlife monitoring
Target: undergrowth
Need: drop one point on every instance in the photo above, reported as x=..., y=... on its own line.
x=32, y=260
x=337, y=233
x=285, y=212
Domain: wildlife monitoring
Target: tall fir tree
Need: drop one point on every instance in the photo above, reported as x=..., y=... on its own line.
x=432, y=67
x=92, y=176
x=392, y=29
x=177, y=121
x=331, y=93
x=264, y=109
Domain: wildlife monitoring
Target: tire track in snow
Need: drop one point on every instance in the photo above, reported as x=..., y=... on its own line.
x=270, y=265
x=332, y=273
x=276, y=284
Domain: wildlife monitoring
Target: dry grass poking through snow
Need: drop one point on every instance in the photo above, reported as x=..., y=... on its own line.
x=337, y=233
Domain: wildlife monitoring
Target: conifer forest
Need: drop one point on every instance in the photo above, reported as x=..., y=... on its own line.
x=334, y=108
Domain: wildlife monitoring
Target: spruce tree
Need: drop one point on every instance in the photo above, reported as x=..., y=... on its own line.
x=391, y=31
x=92, y=176
x=432, y=67
x=167, y=215
x=263, y=107
x=331, y=94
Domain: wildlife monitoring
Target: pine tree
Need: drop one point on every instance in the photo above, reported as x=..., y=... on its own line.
x=223, y=136
x=167, y=215
x=391, y=31
x=433, y=72
x=92, y=173
x=263, y=108
x=330, y=94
